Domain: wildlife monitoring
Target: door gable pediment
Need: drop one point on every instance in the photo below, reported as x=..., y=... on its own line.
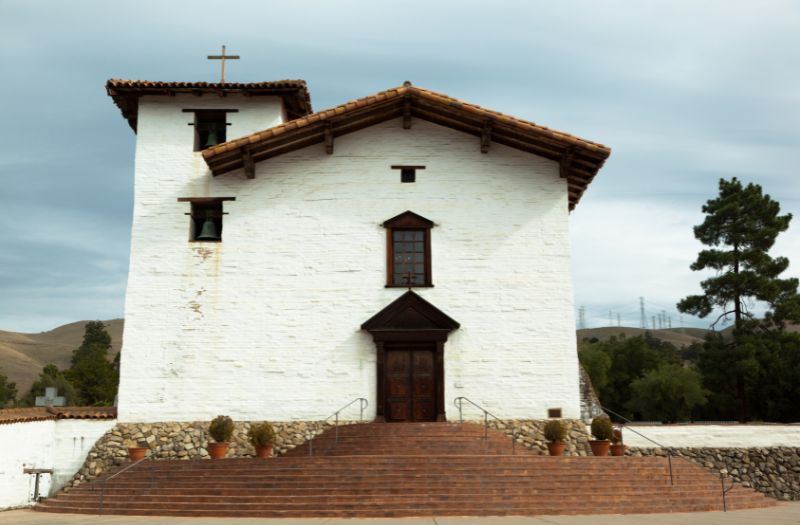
x=410, y=312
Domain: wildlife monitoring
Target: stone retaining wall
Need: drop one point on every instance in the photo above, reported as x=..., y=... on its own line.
x=530, y=433
x=775, y=471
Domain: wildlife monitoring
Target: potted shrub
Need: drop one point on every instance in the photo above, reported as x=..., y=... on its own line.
x=554, y=433
x=137, y=451
x=602, y=432
x=262, y=437
x=220, y=430
x=617, y=447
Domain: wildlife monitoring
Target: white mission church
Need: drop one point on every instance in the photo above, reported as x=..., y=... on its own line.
x=406, y=247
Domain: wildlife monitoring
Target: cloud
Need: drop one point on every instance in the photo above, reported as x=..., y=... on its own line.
x=683, y=92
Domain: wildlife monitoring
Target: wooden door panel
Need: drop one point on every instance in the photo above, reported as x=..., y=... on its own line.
x=410, y=384
x=398, y=411
x=398, y=385
x=423, y=403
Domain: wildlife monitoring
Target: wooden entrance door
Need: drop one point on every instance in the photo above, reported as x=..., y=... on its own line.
x=410, y=383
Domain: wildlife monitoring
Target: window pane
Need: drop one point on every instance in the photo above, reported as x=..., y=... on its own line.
x=409, y=257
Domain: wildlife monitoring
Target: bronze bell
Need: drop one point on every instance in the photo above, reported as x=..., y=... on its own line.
x=212, y=139
x=208, y=232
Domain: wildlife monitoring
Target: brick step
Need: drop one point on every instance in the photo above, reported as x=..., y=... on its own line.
x=397, y=484
x=552, y=505
x=574, y=496
x=552, y=509
x=410, y=478
x=479, y=473
x=538, y=462
x=269, y=466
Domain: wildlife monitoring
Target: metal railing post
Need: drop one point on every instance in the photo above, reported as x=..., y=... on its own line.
x=362, y=403
x=669, y=453
x=105, y=480
x=669, y=460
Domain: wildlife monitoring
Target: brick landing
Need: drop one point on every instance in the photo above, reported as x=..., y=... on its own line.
x=399, y=470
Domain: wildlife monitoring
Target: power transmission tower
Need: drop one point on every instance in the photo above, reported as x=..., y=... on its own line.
x=641, y=312
x=654, y=322
x=619, y=320
x=582, y=317
x=669, y=322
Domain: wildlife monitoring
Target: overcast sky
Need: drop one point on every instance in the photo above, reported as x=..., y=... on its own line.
x=683, y=92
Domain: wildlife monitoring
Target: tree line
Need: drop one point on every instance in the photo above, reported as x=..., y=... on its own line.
x=749, y=373
x=91, y=379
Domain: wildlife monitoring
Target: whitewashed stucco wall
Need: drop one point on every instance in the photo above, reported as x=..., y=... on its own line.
x=265, y=325
x=61, y=445
x=716, y=436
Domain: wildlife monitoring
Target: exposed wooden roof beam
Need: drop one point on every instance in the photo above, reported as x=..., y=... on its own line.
x=329, y=138
x=486, y=136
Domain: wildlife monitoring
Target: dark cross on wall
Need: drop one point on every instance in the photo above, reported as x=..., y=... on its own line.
x=222, y=58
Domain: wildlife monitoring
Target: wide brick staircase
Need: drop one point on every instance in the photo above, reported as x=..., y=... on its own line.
x=414, y=469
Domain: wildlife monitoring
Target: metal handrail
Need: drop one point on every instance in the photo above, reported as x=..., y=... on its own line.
x=362, y=402
x=106, y=480
x=669, y=458
x=725, y=491
x=459, y=402
x=669, y=454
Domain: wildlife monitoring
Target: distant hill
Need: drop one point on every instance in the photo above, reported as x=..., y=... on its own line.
x=22, y=356
x=677, y=336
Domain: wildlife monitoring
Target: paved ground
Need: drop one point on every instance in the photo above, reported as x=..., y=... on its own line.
x=788, y=513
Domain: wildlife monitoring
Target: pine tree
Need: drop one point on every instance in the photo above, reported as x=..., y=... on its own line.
x=93, y=375
x=741, y=226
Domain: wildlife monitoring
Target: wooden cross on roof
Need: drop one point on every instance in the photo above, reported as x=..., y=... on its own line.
x=223, y=57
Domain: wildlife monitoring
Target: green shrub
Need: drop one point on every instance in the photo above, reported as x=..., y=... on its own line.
x=555, y=431
x=261, y=435
x=601, y=428
x=221, y=429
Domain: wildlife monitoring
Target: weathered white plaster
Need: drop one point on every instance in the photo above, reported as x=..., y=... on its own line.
x=265, y=325
x=717, y=436
x=61, y=445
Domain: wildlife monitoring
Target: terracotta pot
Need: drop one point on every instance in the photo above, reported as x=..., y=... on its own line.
x=556, y=448
x=263, y=452
x=618, y=450
x=217, y=450
x=137, y=453
x=600, y=447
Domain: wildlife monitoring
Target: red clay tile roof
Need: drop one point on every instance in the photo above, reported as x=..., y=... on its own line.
x=18, y=415
x=126, y=93
x=579, y=159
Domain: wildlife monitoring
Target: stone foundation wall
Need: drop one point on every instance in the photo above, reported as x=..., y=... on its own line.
x=775, y=471
x=177, y=441
x=530, y=434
